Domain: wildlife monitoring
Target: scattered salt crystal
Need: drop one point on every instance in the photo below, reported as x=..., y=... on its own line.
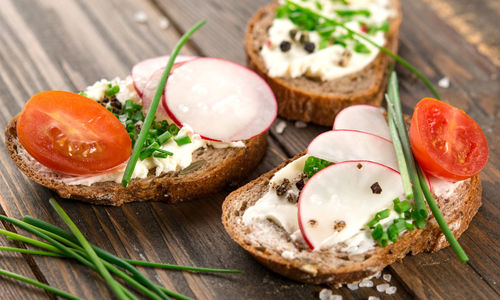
x=387, y=277
x=382, y=287
x=280, y=127
x=366, y=283
x=300, y=124
x=444, y=82
x=164, y=23
x=352, y=286
x=373, y=298
x=140, y=17
x=325, y=294
x=335, y=297
x=391, y=290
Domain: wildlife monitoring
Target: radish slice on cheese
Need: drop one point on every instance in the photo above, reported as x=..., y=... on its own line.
x=345, y=145
x=149, y=92
x=366, y=118
x=142, y=72
x=338, y=201
x=220, y=100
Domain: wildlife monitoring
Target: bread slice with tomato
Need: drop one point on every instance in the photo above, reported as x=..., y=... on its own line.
x=79, y=145
x=300, y=252
x=309, y=98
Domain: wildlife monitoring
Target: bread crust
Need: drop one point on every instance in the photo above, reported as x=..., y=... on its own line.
x=223, y=166
x=325, y=267
x=314, y=101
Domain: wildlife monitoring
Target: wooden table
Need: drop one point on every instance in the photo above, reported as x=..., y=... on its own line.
x=68, y=44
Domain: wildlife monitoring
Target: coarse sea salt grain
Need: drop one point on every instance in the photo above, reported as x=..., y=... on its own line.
x=287, y=254
x=300, y=124
x=352, y=286
x=444, y=82
x=140, y=17
x=391, y=290
x=280, y=127
x=387, y=277
x=325, y=294
x=366, y=283
x=373, y=298
x=382, y=287
x=164, y=23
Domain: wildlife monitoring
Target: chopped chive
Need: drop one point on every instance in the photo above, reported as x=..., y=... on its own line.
x=384, y=239
x=350, y=13
x=377, y=232
x=164, y=137
x=392, y=233
x=38, y=284
x=183, y=140
x=409, y=226
x=148, y=151
x=112, y=90
x=173, y=129
x=402, y=207
x=314, y=164
x=360, y=47
x=83, y=94
x=154, y=105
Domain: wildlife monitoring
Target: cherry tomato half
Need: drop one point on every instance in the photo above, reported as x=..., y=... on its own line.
x=72, y=134
x=446, y=142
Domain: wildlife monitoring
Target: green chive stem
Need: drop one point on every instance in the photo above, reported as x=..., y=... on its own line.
x=381, y=48
x=22, y=238
x=440, y=219
x=176, y=267
x=174, y=294
x=398, y=149
x=39, y=284
x=395, y=104
x=113, y=284
x=29, y=251
x=154, y=105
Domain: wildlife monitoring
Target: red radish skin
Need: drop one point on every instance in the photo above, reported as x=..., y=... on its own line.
x=216, y=104
x=356, y=110
x=142, y=71
x=300, y=204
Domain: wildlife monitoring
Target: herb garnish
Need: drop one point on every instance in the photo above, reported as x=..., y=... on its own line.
x=420, y=187
x=64, y=244
x=314, y=165
x=154, y=105
x=313, y=18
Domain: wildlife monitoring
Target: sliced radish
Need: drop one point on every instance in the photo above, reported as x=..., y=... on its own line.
x=344, y=145
x=150, y=91
x=220, y=100
x=366, y=118
x=339, y=200
x=142, y=71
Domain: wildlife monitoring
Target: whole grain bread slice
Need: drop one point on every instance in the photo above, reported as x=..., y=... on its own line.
x=211, y=170
x=311, y=100
x=272, y=246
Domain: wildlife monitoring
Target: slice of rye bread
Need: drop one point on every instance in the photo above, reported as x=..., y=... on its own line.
x=216, y=169
x=273, y=247
x=311, y=100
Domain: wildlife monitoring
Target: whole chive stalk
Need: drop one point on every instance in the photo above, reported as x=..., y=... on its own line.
x=113, y=284
x=154, y=105
x=398, y=149
x=116, y=260
x=39, y=284
x=29, y=251
x=394, y=104
x=440, y=220
x=381, y=48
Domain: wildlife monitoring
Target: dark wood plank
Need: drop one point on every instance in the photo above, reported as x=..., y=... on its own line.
x=438, y=50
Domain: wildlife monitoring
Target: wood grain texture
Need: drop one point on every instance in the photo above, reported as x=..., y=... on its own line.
x=68, y=44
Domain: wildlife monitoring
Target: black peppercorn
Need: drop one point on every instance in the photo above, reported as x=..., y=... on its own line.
x=285, y=46
x=309, y=47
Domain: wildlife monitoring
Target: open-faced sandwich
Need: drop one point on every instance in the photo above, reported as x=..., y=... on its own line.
x=314, y=64
x=79, y=144
x=345, y=209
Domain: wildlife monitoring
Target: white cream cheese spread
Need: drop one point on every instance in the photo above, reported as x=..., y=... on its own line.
x=182, y=155
x=292, y=52
x=283, y=213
